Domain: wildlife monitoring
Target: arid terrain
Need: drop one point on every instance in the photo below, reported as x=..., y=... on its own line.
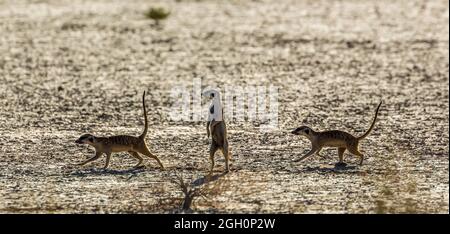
x=74, y=67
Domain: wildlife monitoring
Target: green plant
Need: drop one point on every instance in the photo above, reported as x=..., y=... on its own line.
x=157, y=14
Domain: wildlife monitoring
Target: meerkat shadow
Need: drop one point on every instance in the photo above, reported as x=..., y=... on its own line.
x=208, y=178
x=343, y=167
x=94, y=171
x=336, y=168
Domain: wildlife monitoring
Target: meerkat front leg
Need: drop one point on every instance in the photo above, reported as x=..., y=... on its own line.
x=208, y=131
x=97, y=156
x=341, y=162
x=108, y=157
x=210, y=126
x=313, y=150
x=318, y=153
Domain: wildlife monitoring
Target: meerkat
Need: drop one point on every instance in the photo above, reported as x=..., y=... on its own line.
x=335, y=138
x=217, y=129
x=122, y=143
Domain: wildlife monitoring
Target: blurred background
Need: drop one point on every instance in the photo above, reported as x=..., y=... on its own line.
x=71, y=67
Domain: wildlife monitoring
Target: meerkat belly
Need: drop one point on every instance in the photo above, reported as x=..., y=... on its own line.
x=335, y=143
x=120, y=148
x=335, y=138
x=218, y=133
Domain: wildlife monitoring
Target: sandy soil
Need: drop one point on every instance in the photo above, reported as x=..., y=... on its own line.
x=72, y=67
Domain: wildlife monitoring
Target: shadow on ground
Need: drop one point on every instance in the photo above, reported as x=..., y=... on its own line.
x=94, y=171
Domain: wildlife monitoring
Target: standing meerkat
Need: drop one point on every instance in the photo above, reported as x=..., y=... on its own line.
x=217, y=128
x=335, y=138
x=122, y=143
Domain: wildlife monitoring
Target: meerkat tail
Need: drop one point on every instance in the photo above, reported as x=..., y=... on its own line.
x=373, y=123
x=144, y=133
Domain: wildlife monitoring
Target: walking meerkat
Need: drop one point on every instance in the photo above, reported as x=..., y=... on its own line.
x=217, y=129
x=122, y=143
x=335, y=138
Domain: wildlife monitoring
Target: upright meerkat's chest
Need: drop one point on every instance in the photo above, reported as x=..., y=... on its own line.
x=215, y=112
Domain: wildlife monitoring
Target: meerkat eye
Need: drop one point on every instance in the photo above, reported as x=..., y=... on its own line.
x=307, y=131
x=212, y=95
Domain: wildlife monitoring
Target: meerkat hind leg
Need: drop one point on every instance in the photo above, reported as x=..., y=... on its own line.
x=147, y=153
x=225, y=153
x=138, y=157
x=212, y=152
x=355, y=151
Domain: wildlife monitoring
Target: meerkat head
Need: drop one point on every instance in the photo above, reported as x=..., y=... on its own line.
x=303, y=130
x=86, y=139
x=211, y=94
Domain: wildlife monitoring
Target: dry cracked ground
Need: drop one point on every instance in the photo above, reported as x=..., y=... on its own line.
x=73, y=67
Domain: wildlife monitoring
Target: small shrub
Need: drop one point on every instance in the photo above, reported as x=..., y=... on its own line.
x=189, y=192
x=157, y=14
x=206, y=189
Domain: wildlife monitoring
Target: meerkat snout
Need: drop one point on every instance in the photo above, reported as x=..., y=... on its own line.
x=211, y=94
x=303, y=130
x=85, y=139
